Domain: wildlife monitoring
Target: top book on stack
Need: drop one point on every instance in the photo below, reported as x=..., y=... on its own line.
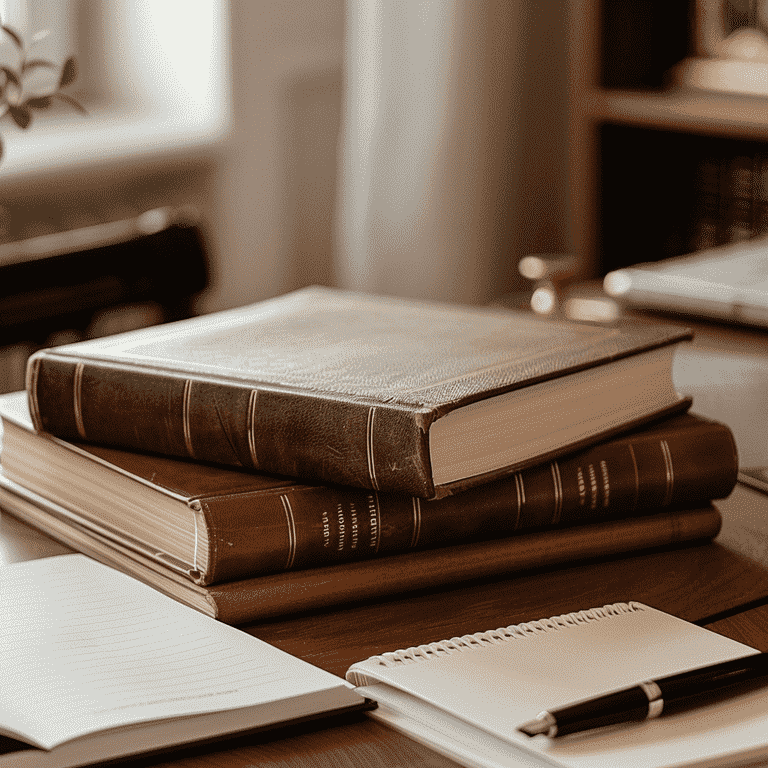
x=374, y=392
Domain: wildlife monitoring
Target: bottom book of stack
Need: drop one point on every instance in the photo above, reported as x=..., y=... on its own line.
x=264, y=597
x=243, y=546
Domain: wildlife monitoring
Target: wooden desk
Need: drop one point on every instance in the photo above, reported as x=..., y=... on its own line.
x=722, y=585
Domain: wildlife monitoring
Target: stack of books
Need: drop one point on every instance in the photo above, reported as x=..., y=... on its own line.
x=326, y=447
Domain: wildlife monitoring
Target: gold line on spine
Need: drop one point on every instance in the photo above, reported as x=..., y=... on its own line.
x=78, y=399
x=557, y=481
x=34, y=410
x=377, y=504
x=197, y=508
x=291, y=531
x=186, y=406
x=369, y=448
x=637, y=477
x=670, y=472
x=416, y=521
x=251, y=427
x=520, y=497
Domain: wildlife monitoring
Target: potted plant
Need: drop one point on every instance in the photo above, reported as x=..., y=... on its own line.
x=18, y=102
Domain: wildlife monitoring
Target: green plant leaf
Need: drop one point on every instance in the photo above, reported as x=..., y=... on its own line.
x=11, y=75
x=68, y=72
x=72, y=103
x=36, y=63
x=21, y=116
x=39, y=102
x=14, y=36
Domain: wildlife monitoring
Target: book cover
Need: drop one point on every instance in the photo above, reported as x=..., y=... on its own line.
x=283, y=594
x=223, y=524
x=373, y=392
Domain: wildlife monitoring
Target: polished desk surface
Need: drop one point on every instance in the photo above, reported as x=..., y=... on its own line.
x=721, y=585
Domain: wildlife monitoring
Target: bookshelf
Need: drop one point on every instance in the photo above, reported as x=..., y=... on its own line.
x=639, y=147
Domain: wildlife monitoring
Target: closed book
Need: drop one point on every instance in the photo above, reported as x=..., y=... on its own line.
x=374, y=392
x=220, y=524
x=315, y=589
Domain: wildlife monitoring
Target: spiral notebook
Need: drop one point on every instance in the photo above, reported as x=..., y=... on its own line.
x=466, y=696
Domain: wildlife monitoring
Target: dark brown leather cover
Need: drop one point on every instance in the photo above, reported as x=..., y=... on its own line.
x=283, y=594
x=258, y=524
x=315, y=589
x=320, y=383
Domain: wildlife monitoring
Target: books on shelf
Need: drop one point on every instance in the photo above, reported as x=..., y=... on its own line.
x=218, y=524
x=730, y=197
x=739, y=218
x=707, y=214
x=101, y=666
x=723, y=275
x=381, y=393
x=466, y=696
x=282, y=594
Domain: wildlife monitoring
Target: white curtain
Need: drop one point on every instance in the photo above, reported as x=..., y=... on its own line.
x=429, y=185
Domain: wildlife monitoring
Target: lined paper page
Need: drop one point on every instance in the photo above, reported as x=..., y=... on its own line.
x=85, y=647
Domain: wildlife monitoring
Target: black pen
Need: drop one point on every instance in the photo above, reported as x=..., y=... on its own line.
x=652, y=698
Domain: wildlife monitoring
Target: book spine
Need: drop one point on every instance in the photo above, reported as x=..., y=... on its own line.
x=307, y=527
x=267, y=597
x=371, y=446
x=740, y=214
x=761, y=194
x=706, y=212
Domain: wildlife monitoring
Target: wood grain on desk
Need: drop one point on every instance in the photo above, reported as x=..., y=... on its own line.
x=694, y=583
x=749, y=627
x=332, y=640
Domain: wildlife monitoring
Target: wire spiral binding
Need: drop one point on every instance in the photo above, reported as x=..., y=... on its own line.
x=420, y=653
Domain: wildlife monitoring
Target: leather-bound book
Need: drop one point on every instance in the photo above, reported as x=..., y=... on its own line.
x=315, y=589
x=380, y=393
x=216, y=524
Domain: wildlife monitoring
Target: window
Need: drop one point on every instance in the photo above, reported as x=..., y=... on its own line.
x=155, y=74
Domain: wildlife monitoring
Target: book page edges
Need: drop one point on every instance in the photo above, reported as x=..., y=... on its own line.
x=447, y=489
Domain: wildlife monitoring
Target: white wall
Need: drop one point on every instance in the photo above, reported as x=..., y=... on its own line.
x=483, y=163
x=431, y=195
x=273, y=194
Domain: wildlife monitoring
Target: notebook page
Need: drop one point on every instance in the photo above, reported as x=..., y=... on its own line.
x=85, y=648
x=497, y=687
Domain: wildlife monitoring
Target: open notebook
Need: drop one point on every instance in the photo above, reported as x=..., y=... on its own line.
x=466, y=696
x=96, y=665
